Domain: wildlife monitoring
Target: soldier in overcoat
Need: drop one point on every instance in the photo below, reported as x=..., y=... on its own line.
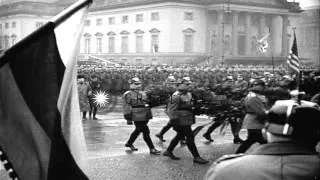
x=180, y=111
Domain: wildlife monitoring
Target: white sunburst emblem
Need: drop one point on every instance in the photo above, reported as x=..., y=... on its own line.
x=101, y=98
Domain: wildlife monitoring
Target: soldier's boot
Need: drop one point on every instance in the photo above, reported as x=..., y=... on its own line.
x=200, y=160
x=155, y=151
x=235, y=131
x=170, y=155
x=132, y=148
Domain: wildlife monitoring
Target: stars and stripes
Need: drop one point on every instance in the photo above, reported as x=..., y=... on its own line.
x=293, y=58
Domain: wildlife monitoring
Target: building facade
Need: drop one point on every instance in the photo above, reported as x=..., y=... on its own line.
x=308, y=35
x=169, y=32
x=19, y=18
x=166, y=31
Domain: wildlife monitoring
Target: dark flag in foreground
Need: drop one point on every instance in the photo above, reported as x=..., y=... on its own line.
x=293, y=58
x=40, y=125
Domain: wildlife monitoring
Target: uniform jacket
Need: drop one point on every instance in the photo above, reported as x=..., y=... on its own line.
x=272, y=161
x=135, y=104
x=180, y=109
x=256, y=106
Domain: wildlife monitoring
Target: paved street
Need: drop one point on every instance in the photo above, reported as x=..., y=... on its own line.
x=109, y=159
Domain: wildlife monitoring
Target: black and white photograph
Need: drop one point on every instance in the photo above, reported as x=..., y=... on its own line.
x=159, y=90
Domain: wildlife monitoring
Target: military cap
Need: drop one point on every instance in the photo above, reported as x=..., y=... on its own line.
x=186, y=79
x=135, y=80
x=290, y=118
x=171, y=78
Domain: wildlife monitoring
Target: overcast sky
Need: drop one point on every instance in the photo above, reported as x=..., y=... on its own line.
x=306, y=3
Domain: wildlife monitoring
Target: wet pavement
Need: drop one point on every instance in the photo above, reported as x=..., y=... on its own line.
x=109, y=159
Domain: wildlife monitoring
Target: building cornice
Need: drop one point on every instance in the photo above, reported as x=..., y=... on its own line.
x=30, y=8
x=280, y=4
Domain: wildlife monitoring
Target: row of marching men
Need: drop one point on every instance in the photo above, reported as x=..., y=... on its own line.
x=180, y=112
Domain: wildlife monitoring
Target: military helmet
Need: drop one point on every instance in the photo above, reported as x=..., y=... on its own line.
x=134, y=80
x=297, y=120
x=135, y=83
x=171, y=79
x=186, y=79
x=182, y=86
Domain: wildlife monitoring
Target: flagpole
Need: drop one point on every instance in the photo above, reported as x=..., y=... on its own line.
x=299, y=73
x=272, y=61
x=65, y=14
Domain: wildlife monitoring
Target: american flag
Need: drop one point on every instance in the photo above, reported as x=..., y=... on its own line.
x=293, y=58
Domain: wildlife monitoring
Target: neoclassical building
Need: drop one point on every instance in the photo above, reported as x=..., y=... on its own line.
x=308, y=35
x=166, y=31
x=178, y=31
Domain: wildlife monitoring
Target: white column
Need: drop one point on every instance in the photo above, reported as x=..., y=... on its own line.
x=235, y=34
x=262, y=25
x=248, y=34
x=276, y=34
x=220, y=32
x=285, y=22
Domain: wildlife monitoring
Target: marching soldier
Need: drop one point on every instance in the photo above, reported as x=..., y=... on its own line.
x=180, y=111
x=292, y=131
x=228, y=88
x=171, y=85
x=136, y=110
x=256, y=107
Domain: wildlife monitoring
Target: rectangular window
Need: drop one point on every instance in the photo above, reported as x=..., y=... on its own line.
x=13, y=40
x=188, y=16
x=0, y=27
x=155, y=16
x=111, y=20
x=139, y=18
x=13, y=24
x=99, y=22
x=125, y=19
x=39, y=24
x=87, y=44
x=87, y=22
x=111, y=45
x=99, y=44
x=7, y=25
x=125, y=44
x=139, y=43
x=154, y=43
x=188, y=43
x=6, y=42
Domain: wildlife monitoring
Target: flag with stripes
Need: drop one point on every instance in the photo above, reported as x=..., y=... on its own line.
x=41, y=130
x=293, y=58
